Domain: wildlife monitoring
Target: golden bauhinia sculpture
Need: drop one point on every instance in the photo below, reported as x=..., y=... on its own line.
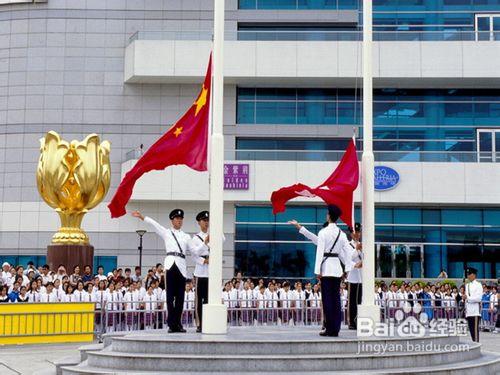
x=73, y=178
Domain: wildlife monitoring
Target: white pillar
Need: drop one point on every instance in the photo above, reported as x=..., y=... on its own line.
x=368, y=309
x=215, y=313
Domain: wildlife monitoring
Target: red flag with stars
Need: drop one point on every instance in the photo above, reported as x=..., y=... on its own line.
x=338, y=189
x=184, y=143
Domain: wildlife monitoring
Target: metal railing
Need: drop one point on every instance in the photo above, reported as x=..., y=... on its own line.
x=140, y=315
x=316, y=35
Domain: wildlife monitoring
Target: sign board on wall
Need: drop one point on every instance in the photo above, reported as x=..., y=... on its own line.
x=236, y=176
x=386, y=178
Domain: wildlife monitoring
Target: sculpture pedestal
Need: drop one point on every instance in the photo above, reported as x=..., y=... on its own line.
x=70, y=256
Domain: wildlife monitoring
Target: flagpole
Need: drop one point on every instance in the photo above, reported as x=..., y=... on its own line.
x=368, y=309
x=215, y=313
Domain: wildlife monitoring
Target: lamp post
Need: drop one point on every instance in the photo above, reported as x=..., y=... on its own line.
x=140, y=233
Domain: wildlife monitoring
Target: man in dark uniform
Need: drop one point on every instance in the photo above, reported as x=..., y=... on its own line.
x=333, y=247
x=176, y=246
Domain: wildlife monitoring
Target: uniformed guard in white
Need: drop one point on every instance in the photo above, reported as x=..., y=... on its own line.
x=354, y=277
x=201, y=251
x=472, y=298
x=176, y=246
x=333, y=247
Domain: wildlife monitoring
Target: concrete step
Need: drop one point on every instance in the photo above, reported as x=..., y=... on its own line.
x=89, y=348
x=282, y=362
x=65, y=361
x=487, y=364
x=191, y=343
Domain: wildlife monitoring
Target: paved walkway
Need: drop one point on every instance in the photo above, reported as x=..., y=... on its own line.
x=38, y=359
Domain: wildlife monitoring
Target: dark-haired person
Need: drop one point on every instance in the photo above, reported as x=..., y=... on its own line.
x=49, y=295
x=354, y=278
x=87, y=274
x=4, y=298
x=100, y=274
x=176, y=246
x=75, y=276
x=33, y=294
x=80, y=294
x=472, y=299
x=333, y=247
x=137, y=275
x=200, y=250
x=45, y=275
x=23, y=297
x=68, y=293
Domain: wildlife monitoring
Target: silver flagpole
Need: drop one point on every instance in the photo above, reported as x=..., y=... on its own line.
x=215, y=312
x=368, y=309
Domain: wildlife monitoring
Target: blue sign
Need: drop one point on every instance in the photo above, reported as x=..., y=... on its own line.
x=385, y=178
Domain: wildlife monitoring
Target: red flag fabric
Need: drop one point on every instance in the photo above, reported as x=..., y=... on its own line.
x=338, y=189
x=184, y=143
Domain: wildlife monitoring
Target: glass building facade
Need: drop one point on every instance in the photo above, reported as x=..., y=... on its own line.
x=409, y=124
x=411, y=242
x=429, y=20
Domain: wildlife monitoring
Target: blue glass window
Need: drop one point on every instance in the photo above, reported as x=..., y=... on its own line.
x=451, y=238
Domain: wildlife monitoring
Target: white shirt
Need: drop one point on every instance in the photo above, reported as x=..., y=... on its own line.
x=150, y=302
x=315, y=299
x=287, y=299
x=299, y=298
x=6, y=278
x=199, y=249
x=80, y=296
x=331, y=266
x=493, y=301
x=355, y=275
x=474, y=292
x=189, y=300
x=246, y=298
x=49, y=297
x=101, y=277
x=99, y=297
x=171, y=245
x=261, y=300
x=113, y=300
x=343, y=297
x=272, y=299
x=309, y=235
x=33, y=296
x=47, y=279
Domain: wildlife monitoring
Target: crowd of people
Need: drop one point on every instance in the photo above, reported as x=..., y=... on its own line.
x=248, y=301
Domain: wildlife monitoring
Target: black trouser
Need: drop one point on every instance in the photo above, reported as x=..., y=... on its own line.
x=355, y=292
x=176, y=285
x=330, y=295
x=201, y=298
x=474, y=327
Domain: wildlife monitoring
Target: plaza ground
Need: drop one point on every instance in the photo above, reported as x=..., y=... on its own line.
x=39, y=359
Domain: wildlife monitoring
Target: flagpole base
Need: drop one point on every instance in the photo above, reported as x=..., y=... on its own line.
x=368, y=317
x=214, y=319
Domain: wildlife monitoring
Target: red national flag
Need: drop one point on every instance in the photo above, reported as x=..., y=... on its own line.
x=338, y=189
x=184, y=143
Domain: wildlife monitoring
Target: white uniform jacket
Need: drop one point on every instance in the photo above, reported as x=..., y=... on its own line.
x=169, y=237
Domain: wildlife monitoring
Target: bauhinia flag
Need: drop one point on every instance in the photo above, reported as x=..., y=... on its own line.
x=338, y=189
x=184, y=143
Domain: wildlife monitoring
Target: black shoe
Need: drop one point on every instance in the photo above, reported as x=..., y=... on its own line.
x=170, y=330
x=198, y=330
x=181, y=329
x=353, y=328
